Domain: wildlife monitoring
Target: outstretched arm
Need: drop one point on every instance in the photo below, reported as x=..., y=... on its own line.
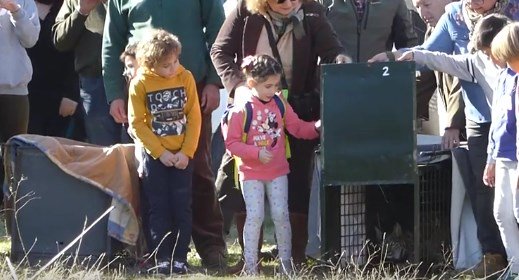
x=461, y=66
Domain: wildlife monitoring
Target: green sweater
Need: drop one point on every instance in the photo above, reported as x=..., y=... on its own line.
x=81, y=34
x=187, y=19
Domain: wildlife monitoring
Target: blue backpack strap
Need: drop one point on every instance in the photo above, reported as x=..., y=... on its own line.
x=248, y=117
x=248, y=112
x=225, y=116
x=280, y=104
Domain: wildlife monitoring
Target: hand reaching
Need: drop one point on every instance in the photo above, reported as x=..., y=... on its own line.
x=451, y=138
x=382, y=57
x=10, y=5
x=343, y=59
x=407, y=56
x=318, y=125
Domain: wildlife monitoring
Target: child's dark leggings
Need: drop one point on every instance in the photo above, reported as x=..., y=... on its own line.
x=167, y=193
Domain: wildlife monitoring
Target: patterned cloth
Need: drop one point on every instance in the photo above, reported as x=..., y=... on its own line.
x=111, y=169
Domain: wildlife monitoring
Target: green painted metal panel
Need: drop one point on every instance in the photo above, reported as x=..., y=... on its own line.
x=368, y=133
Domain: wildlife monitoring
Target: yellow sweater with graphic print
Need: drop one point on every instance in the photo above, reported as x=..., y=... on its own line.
x=164, y=113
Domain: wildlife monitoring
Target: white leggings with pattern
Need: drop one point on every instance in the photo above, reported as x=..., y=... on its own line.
x=254, y=196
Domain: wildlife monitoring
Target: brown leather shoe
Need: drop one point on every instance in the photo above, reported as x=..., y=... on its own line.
x=215, y=260
x=238, y=268
x=491, y=264
x=299, y=224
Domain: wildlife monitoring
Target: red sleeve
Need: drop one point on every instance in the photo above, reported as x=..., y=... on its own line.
x=297, y=127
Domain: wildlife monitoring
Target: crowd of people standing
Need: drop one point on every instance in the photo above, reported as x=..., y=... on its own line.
x=63, y=74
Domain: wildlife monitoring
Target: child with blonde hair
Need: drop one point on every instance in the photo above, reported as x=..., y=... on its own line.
x=502, y=146
x=164, y=115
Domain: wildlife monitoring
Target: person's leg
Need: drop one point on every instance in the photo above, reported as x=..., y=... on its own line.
x=217, y=149
x=299, y=182
x=482, y=201
x=180, y=207
x=277, y=193
x=14, y=115
x=38, y=120
x=14, y=118
x=482, y=197
x=231, y=201
x=506, y=181
x=229, y=195
x=101, y=129
x=254, y=196
x=155, y=193
x=207, y=217
x=515, y=197
x=76, y=128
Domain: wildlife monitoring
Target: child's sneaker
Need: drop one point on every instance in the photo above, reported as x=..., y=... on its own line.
x=179, y=268
x=163, y=268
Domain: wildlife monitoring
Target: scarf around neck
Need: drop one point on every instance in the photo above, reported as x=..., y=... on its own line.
x=281, y=22
x=471, y=18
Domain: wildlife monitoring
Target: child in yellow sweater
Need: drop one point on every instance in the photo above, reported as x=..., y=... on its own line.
x=164, y=116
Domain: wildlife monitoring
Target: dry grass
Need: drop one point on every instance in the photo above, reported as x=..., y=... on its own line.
x=124, y=267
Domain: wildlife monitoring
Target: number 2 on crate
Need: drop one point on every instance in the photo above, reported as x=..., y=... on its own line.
x=385, y=71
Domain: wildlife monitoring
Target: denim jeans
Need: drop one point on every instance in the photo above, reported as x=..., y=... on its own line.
x=167, y=193
x=100, y=127
x=481, y=196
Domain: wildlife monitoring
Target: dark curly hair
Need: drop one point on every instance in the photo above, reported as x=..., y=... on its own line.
x=260, y=67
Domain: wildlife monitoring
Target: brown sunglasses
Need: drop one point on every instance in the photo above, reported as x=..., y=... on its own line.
x=283, y=1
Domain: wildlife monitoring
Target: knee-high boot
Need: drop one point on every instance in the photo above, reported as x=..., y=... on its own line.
x=299, y=224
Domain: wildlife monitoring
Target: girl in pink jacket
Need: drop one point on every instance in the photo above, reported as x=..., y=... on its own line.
x=256, y=137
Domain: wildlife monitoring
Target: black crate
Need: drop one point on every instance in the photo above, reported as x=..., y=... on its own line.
x=348, y=216
x=353, y=224
x=51, y=208
x=435, y=206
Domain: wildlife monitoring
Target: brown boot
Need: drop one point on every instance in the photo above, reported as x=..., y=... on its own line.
x=491, y=264
x=299, y=224
x=239, y=218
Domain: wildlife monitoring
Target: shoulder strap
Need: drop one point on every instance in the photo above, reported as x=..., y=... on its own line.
x=248, y=117
x=275, y=52
x=248, y=112
x=280, y=105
